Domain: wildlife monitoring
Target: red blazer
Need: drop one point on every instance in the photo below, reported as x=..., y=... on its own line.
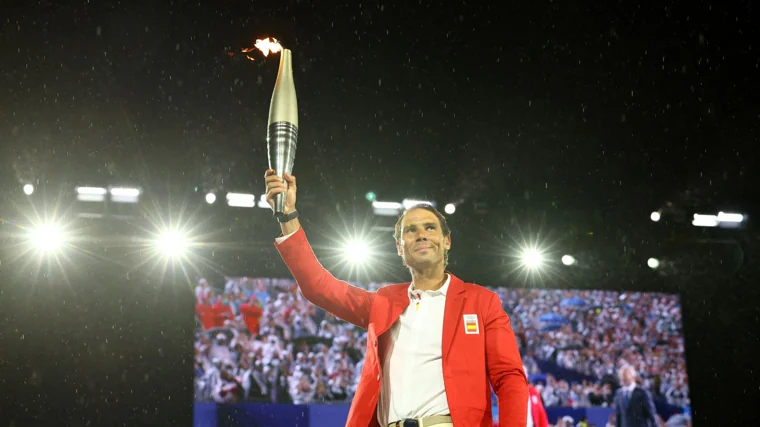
x=221, y=312
x=206, y=315
x=540, y=419
x=470, y=361
x=251, y=312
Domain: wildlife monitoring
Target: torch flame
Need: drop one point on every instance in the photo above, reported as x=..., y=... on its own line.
x=266, y=46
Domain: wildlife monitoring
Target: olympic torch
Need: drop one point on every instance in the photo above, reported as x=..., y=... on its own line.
x=282, y=130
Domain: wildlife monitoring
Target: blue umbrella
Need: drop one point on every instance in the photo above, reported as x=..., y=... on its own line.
x=550, y=327
x=553, y=318
x=573, y=302
x=535, y=378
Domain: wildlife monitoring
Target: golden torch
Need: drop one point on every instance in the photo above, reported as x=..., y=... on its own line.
x=282, y=130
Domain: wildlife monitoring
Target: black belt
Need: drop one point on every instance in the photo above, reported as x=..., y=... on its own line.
x=429, y=421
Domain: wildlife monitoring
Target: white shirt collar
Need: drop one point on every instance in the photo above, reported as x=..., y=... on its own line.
x=441, y=291
x=630, y=388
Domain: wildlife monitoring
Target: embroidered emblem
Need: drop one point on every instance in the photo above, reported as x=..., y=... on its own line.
x=471, y=324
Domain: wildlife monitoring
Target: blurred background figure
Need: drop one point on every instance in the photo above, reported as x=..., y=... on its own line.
x=536, y=412
x=633, y=405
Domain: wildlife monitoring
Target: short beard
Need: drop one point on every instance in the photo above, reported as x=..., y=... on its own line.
x=445, y=259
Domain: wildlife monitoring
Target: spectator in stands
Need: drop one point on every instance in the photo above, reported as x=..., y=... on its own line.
x=251, y=314
x=205, y=311
x=222, y=311
x=678, y=394
x=633, y=405
x=202, y=291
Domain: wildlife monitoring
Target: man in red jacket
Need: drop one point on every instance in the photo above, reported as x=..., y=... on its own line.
x=251, y=313
x=222, y=312
x=433, y=344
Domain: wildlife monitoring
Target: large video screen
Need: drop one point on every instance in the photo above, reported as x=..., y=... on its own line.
x=260, y=340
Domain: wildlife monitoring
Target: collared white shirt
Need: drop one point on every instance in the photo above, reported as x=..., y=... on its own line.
x=412, y=384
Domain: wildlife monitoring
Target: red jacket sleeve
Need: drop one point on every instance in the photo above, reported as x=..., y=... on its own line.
x=505, y=367
x=317, y=285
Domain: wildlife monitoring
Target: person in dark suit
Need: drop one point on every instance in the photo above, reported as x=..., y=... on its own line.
x=634, y=406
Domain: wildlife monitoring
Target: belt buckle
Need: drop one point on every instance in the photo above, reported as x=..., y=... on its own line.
x=411, y=423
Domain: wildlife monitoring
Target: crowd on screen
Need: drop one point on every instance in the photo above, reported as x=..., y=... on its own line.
x=260, y=340
x=608, y=330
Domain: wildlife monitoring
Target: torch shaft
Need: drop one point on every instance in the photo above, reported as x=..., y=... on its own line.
x=282, y=141
x=282, y=132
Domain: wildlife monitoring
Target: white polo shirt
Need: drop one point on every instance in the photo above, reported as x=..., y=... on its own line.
x=412, y=385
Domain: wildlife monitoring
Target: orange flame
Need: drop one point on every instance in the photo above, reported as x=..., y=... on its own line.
x=266, y=46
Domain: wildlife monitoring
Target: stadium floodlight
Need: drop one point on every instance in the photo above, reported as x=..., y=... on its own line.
x=655, y=216
x=263, y=202
x=730, y=217
x=28, y=189
x=47, y=237
x=408, y=203
x=91, y=194
x=125, y=195
x=241, y=200
x=532, y=258
x=705, y=220
x=450, y=208
x=356, y=251
x=210, y=198
x=568, y=260
x=172, y=243
x=653, y=263
x=386, y=208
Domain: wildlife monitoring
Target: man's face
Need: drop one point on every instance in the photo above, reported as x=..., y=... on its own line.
x=422, y=243
x=626, y=377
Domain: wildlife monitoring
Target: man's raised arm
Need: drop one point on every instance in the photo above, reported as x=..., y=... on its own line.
x=321, y=288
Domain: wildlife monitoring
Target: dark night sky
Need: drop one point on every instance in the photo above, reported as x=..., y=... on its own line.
x=604, y=106
x=593, y=105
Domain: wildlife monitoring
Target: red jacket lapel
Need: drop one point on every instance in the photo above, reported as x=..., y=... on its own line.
x=452, y=312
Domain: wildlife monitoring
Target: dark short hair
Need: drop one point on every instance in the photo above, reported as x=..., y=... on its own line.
x=430, y=208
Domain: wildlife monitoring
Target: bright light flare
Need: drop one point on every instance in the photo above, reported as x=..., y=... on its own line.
x=28, y=189
x=653, y=263
x=210, y=198
x=47, y=237
x=450, y=208
x=655, y=216
x=356, y=251
x=532, y=258
x=568, y=260
x=172, y=243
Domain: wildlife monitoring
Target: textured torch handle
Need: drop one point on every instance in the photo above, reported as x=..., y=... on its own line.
x=282, y=140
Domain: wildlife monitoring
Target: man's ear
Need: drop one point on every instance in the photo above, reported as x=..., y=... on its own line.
x=399, y=248
x=447, y=244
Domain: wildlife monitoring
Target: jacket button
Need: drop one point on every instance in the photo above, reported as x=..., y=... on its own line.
x=378, y=377
x=374, y=343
